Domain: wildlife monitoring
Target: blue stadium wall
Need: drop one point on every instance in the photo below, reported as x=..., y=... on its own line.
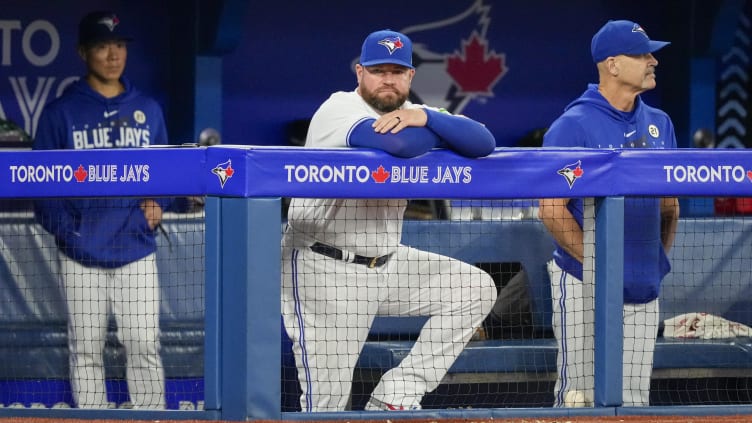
x=253, y=69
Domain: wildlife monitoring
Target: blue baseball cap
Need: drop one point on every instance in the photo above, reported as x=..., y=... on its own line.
x=622, y=37
x=101, y=26
x=387, y=46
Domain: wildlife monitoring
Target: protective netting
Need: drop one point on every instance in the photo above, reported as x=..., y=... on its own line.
x=111, y=317
x=701, y=351
x=691, y=326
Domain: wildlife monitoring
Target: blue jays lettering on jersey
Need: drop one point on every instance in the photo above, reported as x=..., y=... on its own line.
x=104, y=232
x=83, y=119
x=591, y=122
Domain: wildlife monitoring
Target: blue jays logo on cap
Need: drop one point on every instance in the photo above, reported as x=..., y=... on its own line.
x=387, y=46
x=100, y=26
x=638, y=28
x=110, y=22
x=391, y=43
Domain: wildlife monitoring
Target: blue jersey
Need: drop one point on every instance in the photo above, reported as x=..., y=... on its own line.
x=590, y=121
x=99, y=232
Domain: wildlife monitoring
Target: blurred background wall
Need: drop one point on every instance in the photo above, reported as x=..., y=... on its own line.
x=256, y=71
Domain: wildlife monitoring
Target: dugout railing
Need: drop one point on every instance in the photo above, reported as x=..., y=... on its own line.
x=244, y=186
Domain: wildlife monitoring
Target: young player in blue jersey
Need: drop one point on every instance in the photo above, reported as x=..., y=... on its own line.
x=107, y=245
x=611, y=114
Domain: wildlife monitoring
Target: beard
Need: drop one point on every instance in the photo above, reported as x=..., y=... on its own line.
x=383, y=104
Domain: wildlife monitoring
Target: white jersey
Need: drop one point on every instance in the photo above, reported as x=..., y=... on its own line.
x=368, y=227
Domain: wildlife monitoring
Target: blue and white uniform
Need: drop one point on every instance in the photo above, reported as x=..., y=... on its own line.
x=329, y=304
x=591, y=122
x=107, y=247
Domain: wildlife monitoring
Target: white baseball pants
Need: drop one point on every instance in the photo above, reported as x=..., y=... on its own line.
x=328, y=306
x=574, y=324
x=132, y=294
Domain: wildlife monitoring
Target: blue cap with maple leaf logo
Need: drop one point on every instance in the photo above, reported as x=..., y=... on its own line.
x=622, y=37
x=387, y=46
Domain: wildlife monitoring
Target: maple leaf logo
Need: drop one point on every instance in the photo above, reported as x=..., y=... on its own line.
x=380, y=175
x=476, y=70
x=80, y=174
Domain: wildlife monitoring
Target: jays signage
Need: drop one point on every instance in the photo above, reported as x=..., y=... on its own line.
x=242, y=171
x=507, y=173
x=358, y=173
x=156, y=171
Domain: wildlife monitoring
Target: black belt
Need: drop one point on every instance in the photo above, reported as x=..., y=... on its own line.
x=337, y=254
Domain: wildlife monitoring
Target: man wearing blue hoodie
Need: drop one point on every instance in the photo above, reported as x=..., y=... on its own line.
x=611, y=114
x=107, y=245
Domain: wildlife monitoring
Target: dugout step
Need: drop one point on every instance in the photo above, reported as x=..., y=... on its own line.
x=529, y=356
x=535, y=359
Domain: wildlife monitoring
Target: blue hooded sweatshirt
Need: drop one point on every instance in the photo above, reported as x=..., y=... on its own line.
x=591, y=122
x=100, y=232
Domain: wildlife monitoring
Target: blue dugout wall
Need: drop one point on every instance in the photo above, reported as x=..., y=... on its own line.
x=252, y=69
x=244, y=185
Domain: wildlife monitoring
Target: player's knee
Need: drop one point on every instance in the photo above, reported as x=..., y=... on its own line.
x=487, y=292
x=88, y=358
x=91, y=349
x=146, y=343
